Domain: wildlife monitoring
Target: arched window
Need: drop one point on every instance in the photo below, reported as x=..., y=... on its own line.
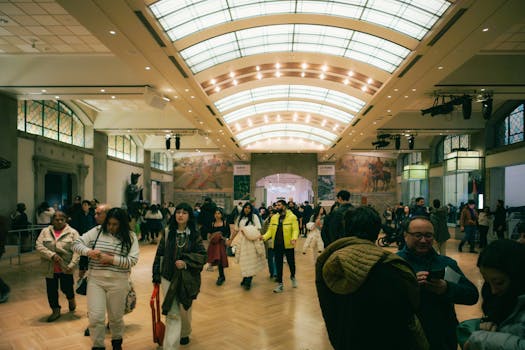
x=123, y=147
x=510, y=130
x=455, y=142
x=159, y=160
x=51, y=119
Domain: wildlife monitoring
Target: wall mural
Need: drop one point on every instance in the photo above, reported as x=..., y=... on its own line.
x=211, y=173
x=361, y=174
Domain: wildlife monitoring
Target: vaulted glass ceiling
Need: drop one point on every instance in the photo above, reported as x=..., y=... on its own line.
x=180, y=18
x=286, y=92
x=247, y=110
x=320, y=39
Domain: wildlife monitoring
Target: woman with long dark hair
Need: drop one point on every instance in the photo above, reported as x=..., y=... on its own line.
x=177, y=268
x=219, y=232
x=501, y=264
x=112, y=251
x=249, y=250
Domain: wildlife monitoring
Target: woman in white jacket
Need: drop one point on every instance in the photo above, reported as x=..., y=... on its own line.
x=54, y=244
x=314, y=233
x=249, y=249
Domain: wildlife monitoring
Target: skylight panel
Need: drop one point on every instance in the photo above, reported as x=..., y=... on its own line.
x=275, y=38
x=286, y=92
x=175, y=15
x=286, y=127
x=285, y=134
x=289, y=106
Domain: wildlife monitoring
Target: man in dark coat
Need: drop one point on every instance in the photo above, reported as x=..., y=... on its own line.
x=333, y=226
x=206, y=216
x=442, y=284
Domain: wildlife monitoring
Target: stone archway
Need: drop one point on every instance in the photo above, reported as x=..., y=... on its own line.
x=284, y=186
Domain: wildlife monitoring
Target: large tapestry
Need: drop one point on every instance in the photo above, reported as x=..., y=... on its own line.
x=211, y=173
x=362, y=174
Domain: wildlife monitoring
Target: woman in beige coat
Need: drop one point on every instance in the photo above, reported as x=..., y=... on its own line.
x=54, y=246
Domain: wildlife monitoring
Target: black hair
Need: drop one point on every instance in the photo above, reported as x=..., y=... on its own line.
x=508, y=257
x=191, y=218
x=363, y=222
x=122, y=234
x=42, y=207
x=249, y=216
x=283, y=202
x=316, y=212
x=419, y=198
x=344, y=195
x=436, y=203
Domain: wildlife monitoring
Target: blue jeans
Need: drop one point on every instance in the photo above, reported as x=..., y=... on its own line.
x=470, y=235
x=271, y=262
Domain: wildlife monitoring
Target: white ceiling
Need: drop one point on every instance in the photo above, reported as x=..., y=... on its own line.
x=66, y=48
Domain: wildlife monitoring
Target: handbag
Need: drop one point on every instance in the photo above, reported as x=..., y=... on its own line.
x=465, y=329
x=158, y=326
x=131, y=299
x=81, y=286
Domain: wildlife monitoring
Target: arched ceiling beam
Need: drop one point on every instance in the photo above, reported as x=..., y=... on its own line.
x=264, y=130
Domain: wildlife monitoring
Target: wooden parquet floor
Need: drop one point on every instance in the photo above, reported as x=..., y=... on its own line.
x=226, y=317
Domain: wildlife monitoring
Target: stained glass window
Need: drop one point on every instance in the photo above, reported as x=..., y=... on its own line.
x=51, y=119
x=161, y=161
x=122, y=147
x=454, y=142
x=511, y=129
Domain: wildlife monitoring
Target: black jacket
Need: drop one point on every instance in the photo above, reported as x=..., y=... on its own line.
x=333, y=225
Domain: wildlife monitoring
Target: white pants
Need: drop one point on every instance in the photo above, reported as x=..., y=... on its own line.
x=314, y=239
x=106, y=293
x=178, y=321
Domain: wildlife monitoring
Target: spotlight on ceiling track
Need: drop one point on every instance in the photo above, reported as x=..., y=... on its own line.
x=411, y=141
x=397, y=142
x=177, y=142
x=486, y=108
x=168, y=142
x=466, y=106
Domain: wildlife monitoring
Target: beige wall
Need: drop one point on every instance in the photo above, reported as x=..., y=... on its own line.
x=117, y=178
x=506, y=158
x=26, y=182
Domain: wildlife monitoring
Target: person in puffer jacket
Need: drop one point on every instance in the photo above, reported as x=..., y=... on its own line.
x=369, y=297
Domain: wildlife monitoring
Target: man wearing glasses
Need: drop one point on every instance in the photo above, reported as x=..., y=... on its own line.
x=442, y=284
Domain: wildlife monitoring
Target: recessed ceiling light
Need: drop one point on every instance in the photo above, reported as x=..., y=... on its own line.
x=257, y=68
x=364, y=88
x=217, y=89
x=324, y=67
x=44, y=90
x=113, y=97
x=302, y=74
x=413, y=89
x=389, y=96
x=189, y=110
x=304, y=66
x=277, y=74
x=148, y=67
x=483, y=89
x=213, y=81
x=186, y=90
x=112, y=32
x=259, y=76
x=102, y=90
x=175, y=97
x=346, y=81
x=374, y=122
x=389, y=110
x=232, y=74
x=440, y=67
x=277, y=65
x=361, y=134
x=192, y=96
x=396, y=89
x=166, y=99
x=485, y=29
x=350, y=73
x=369, y=81
x=235, y=82
x=57, y=97
x=322, y=76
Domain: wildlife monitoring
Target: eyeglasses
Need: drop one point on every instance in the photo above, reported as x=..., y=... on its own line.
x=419, y=235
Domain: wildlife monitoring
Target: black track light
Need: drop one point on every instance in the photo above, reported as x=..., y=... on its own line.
x=466, y=106
x=486, y=108
x=168, y=142
x=397, y=142
x=177, y=142
x=411, y=141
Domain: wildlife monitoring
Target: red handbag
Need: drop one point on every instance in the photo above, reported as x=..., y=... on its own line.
x=158, y=326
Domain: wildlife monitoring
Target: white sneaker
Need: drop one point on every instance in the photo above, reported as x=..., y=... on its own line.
x=294, y=282
x=279, y=288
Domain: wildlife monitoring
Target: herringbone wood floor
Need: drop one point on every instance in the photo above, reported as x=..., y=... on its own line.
x=225, y=317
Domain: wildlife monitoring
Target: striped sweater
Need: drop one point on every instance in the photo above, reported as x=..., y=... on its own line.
x=109, y=244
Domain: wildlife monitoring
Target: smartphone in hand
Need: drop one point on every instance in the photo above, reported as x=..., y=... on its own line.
x=436, y=275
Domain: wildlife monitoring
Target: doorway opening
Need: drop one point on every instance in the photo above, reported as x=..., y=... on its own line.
x=58, y=188
x=285, y=186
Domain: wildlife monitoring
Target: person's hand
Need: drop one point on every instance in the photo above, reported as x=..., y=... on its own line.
x=261, y=237
x=421, y=277
x=437, y=286
x=94, y=254
x=180, y=264
x=293, y=242
x=67, y=269
x=488, y=326
x=81, y=273
x=56, y=258
x=106, y=259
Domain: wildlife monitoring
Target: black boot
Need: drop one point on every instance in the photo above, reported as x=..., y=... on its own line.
x=460, y=247
x=116, y=344
x=98, y=348
x=248, y=283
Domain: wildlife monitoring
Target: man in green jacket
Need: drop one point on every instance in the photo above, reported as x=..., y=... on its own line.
x=283, y=230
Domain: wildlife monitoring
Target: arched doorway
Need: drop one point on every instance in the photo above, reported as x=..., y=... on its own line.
x=283, y=186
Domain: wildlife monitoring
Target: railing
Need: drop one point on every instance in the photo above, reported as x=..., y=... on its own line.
x=21, y=241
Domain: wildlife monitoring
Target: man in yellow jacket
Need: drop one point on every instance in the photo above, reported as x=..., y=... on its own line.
x=283, y=230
